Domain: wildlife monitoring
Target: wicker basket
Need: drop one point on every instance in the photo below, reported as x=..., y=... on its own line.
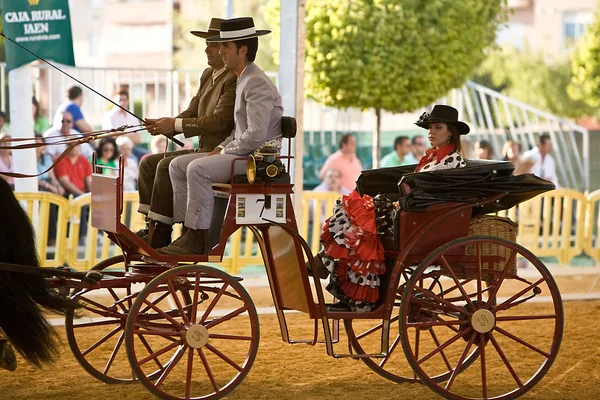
x=490, y=225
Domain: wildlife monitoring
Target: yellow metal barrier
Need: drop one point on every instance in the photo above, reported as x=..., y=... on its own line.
x=38, y=207
x=552, y=224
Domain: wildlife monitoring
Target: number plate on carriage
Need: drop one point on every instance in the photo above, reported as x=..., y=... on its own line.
x=255, y=208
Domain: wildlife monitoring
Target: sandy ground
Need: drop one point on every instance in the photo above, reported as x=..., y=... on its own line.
x=283, y=371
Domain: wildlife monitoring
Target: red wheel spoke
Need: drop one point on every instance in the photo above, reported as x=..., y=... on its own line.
x=117, y=300
x=417, y=340
x=111, y=359
x=227, y=317
x=155, y=301
x=97, y=323
x=208, y=371
x=149, y=349
x=177, y=302
x=437, y=343
x=195, y=298
x=104, y=339
x=157, y=332
x=171, y=364
x=444, y=301
x=479, y=267
x=498, y=283
x=435, y=280
x=506, y=362
x=482, y=359
x=213, y=303
x=521, y=341
x=448, y=326
x=161, y=312
x=434, y=323
x=98, y=305
x=453, y=288
x=223, y=357
x=525, y=317
x=458, y=368
x=376, y=328
x=159, y=353
x=506, y=303
x=390, y=351
x=446, y=344
x=228, y=337
x=458, y=284
x=188, y=374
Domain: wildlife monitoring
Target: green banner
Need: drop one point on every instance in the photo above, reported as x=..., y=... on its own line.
x=41, y=26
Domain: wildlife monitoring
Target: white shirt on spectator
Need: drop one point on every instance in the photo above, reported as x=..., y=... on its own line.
x=55, y=150
x=116, y=118
x=130, y=172
x=545, y=169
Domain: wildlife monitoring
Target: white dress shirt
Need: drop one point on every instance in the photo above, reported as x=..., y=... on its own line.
x=544, y=168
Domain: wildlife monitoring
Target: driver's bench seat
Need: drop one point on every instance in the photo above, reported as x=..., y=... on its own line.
x=289, y=128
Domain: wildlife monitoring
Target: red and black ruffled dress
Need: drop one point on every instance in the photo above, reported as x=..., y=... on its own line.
x=353, y=253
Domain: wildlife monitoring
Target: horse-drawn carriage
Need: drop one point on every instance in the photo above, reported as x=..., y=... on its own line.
x=453, y=298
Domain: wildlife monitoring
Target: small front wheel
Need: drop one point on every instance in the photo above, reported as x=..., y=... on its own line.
x=204, y=344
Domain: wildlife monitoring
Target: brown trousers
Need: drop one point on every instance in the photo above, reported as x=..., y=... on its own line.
x=155, y=188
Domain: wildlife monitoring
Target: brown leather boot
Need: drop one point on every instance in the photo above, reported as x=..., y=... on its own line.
x=144, y=231
x=160, y=236
x=193, y=242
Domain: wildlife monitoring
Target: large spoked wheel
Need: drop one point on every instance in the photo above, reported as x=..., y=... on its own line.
x=365, y=338
x=96, y=339
x=204, y=346
x=511, y=321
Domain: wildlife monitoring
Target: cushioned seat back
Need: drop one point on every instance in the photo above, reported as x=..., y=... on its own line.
x=288, y=127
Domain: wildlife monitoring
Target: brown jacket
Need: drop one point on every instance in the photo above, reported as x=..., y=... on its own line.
x=210, y=113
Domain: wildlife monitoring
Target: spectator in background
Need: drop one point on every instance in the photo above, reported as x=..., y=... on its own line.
x=4, y=126
x=399, y=156
x=106, y=155
x=543, y=163
x=419, y=146
x=116, y=118
x=345, y=161
x=74, y=173
x=6, y=161
x=484, y=150
x=40, y=123
x=130, y=167
x=511, y=151
x=73, y=105
x=158, y=145
x=54, y=134
x=332, y=183
x=47, y=182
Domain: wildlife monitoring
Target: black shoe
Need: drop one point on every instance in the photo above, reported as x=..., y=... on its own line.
x=340, y=306
x=143, y=233
x=161, y=235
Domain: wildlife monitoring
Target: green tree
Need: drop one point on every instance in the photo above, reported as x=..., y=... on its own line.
x=395, y=55
x=529, y=78
x=585, y=84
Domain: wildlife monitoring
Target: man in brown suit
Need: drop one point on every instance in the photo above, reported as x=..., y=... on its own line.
x=209, y=116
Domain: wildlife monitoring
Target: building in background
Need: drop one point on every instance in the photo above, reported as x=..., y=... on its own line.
x=548, y=26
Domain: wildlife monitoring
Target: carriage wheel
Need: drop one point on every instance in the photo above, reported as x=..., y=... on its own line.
x=513, y=322
x=96, y=339
x=365, y=338
x=205, y=347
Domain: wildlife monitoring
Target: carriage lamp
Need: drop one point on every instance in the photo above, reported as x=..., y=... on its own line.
x=264, y=166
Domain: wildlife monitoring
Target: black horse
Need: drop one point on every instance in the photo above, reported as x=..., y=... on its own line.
x=24, y=297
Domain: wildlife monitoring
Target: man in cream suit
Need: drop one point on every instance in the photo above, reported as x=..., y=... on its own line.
x=257, y=116
x=209, y=117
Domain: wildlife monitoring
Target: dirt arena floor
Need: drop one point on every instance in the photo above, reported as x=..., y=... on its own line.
x=283, y=371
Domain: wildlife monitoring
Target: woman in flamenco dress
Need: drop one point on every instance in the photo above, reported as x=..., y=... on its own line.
x=352, y=252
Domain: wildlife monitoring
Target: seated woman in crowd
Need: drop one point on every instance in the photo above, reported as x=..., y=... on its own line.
x=352, y=252
x=107, y=154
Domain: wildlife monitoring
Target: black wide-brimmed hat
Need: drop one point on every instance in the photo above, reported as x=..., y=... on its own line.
x=237, y=29
x=213, y=29
x=442, y=113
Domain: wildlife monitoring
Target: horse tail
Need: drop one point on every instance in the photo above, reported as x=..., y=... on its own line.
x=22, y=317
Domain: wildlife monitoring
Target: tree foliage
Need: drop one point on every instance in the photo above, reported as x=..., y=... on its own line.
x=395, y=55
x=585, y=84
x=529, y=78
